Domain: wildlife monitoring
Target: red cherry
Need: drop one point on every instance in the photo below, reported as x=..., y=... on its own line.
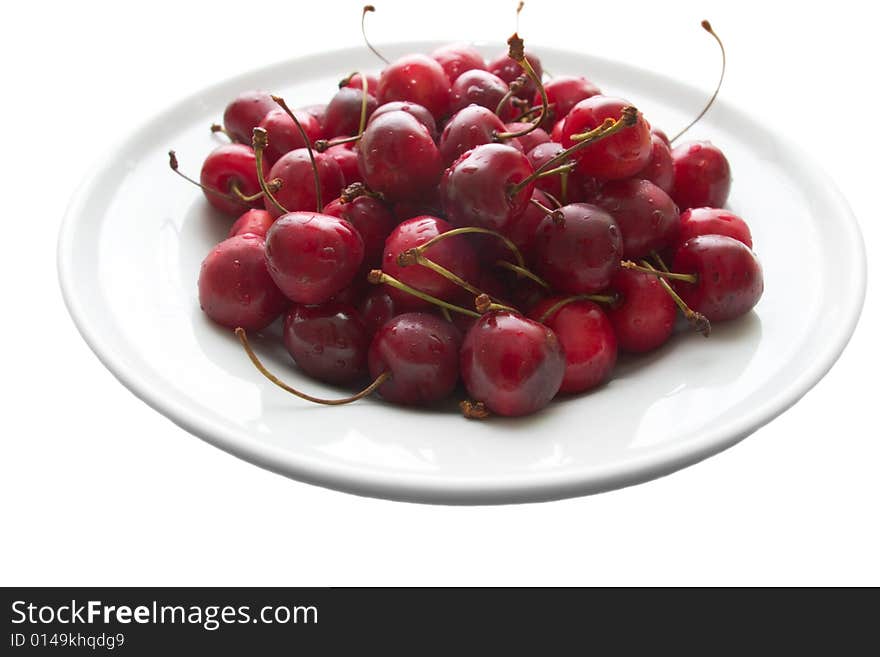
x=556, y=131
x=713, y=221
x=729, y=279
x=468, y=128
x=586, y=336
x=312, y=256
x=537, y=157
x=644, y=315
x=659, y=168
x=376, y=308
x=319, y=113
x=354, y=82
x=477, y=87
x=619, y=156
x=647, y=217
x=253, y=222
x=420, y=351
x=328, y=342
x=245, y=112
x=397, y=156
x=660, y=134
x=227, y=167
x=235, y=288
x=419, y=79
x=512, y=364
x=373, y=221
x=346, y=157
x=566, y=91
x=283, y=134
x=344, y=112
x=456, y=58
x=702, y=175
x=509, y=70
x=579, y=253
x=529, y=140
x=479, y=188
x=297, y=192
x=421, y=114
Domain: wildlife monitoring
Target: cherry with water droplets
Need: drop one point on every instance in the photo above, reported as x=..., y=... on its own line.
x=566, y=91
x=508, y=69
x=346, y=157
x=253, y=222
x=227, y=168
x=478, y=87
x=713, y=221
x=373, y=221
x=643, y=315
x=421, y=114
x=647, y=217
x=329, y=342
x=468, y=128
x=457, y=58
x=283, y=134
x=419, y=79
x=701, y=175
x=245, y=112
x=659, y=169
x=297, y=193
x=343, y=115
x=376, y=308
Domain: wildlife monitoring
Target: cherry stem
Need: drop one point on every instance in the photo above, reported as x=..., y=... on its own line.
x=555, y=171
x=557, y=215
x=553, y=198
x=474, y=230
x=646, y=268
x=484, y=304
x=235, y=193
x=369, y=9
x=607, y=299
x=513, y=88
x=364, y=93
x=260, y=141
x=659, y=261
x=628, y=117
x=698, y=320
x=474, y=410
x=414, y=256
x=516, y=51
x=241, y=334
x=379, y=277
x=708, y=27
x=356, y=190
x=308, y=142
x=322, y=145
x=216, y=127
x=519, y=8
x=522, y=271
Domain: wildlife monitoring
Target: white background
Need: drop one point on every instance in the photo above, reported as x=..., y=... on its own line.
x=97, y=489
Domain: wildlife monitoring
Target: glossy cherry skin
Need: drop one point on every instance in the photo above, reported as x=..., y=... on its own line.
x=297, y=191
x=355, y=82
x=398, y=158
x=343, y=115
x=537, y=157
x=456, y=58
x=556, y=131
x=531, y=139
x=588, y=339
x=512, y=364
x=701, y=175
x=227, y=166
x=319, y=113
x=282, y=133
x=657, y=132
x=581, y=254
x=328, y=342
x=621, y=155
x=253, y=222
x=376, y=308
x=454, y=253
x=509, y=70
x=659, y=167
x=468, y=128
x=647, y=217
x=245, y=112
x=713, y=221
x=730, y=280
x=420, y=350
x=477, y=87
x=564, y=92
x=475, y=189
x=421, y=114
x=235, y=288
x=373, y=221
x=313, y=256
x=417, y=78
x=644, y=315
x=346, y=157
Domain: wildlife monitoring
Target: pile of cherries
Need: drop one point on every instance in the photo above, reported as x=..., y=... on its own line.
x=456, y=220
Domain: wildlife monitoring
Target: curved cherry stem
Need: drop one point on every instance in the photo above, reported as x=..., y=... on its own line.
x=557, y=214
x=698, y=320
x=517, y=52
x=216, y=127
x=522, y=271
x=474, y=230
x=241, y=334
x=484, y=304
x=308, y=142
x=513, y=88
x=322, y=145
x=607, y=299
x=235, y=193
x=659, y=261
x=369, y=9
x=647, y=268
x=379, y=277
x=415, y=257
x=708, y=27
x=553, y=199
x=260, y=141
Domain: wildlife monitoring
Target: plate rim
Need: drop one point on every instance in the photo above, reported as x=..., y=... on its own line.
x=518, y=488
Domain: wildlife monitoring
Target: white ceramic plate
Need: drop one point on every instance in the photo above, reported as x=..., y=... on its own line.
x=132, y=242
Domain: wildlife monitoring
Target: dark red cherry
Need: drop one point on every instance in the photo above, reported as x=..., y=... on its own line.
x=319, y=113
x=729, y=277
x=416, y=207
x=566, y=91
x=619, y=156
x=420, y=350
x=579, y=253
x=354, y=82
x=537, y=157
x=235, y=288
x=245, y=112
x=512, y=364
x=529, y=140
x=644, y=314
x=376, y=308
x=297, y=192
x=702, y=175
x=344, y=111
x=419, y=79
x=456, y=58
x=659, y=168
x=454, y=254
x=373, y=221
x=646, y=216
x=586, y=336
x=421, y=114
x=468, y=128
x=253, y=222
x=227, y=167
x=346, y=157
x=313, y=256
x=478, y=188
x=509, y=70
x=353, y=293
x=283, y=134
x=713, y=221
x=328, y=342
x=398, y=158
x=477, y=87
